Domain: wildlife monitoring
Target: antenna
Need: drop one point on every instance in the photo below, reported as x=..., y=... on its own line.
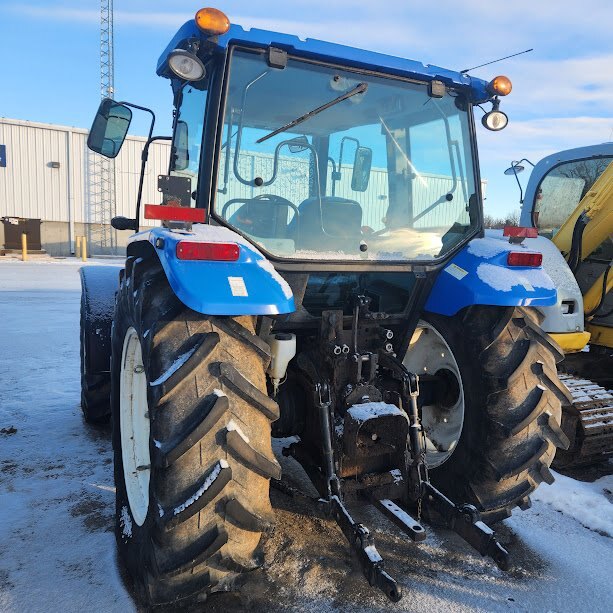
x=102, y=237
x=506, y=57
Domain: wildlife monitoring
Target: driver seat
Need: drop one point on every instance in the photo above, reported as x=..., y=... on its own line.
x=342, y=219
x=259, y=217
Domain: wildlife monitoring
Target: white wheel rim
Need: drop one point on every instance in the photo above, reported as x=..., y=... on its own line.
x=429, y=353
x=134, y=427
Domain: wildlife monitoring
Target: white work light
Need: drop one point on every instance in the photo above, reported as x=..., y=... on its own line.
x=495, y=120
x=186, y=65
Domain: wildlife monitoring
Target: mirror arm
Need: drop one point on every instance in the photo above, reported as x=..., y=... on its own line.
x=144, y=157
x=514, y=166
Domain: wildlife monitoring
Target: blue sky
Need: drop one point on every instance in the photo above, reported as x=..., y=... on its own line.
x=562, y=95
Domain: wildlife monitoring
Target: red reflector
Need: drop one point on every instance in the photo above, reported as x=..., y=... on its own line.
x=174, y=213
x=524, y=258
x=219, y=252
x=519, y=232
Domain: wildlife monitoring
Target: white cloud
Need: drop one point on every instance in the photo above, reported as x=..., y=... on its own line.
x=532, y=139
x=564, y=87
x=539, y=137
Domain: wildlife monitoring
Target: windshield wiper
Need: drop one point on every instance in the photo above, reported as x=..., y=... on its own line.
x=360, y=88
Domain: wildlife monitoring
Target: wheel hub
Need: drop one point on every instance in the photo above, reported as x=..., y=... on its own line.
x=443, y=415
x=134, y=427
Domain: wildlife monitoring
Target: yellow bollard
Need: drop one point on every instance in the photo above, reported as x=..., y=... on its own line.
x=83, y=249
x=24, y=246
x=77, y=246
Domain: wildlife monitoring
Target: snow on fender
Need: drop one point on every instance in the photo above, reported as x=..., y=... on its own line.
x=479, y=275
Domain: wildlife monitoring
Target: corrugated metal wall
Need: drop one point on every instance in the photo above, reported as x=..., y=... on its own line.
x=30, y=187
x=292, y=184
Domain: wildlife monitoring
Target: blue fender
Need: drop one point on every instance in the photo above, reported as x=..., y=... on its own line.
x=248, y=286
x=479, y=274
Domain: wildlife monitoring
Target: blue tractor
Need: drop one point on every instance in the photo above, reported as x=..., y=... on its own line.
x=320, y=274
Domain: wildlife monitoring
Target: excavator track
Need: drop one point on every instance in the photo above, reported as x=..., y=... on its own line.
x=588, y=423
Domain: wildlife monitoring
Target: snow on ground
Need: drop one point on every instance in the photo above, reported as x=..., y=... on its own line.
x=589, y=503
x=56, y=483
x=57, y=550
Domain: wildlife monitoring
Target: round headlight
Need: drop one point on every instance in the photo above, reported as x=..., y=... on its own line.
x=186, y=65
x=495, y=120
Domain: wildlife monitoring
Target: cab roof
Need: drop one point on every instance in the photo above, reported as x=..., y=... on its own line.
x=328, y=52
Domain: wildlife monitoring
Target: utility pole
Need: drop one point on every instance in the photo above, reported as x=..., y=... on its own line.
x=102, y=237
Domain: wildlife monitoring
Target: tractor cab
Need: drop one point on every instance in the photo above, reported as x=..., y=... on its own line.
x=321, y=162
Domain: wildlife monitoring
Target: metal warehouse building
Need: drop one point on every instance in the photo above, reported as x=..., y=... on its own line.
x=45, y=174
x=48, y=187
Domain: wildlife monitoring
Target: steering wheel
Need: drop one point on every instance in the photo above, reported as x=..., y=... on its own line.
x=277, y=201
x=272, y=198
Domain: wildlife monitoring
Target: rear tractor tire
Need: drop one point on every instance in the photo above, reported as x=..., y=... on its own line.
x=192, y=442
x=492, y=433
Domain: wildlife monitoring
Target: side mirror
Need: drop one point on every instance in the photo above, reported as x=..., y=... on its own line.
x=298, y=144
x=109, y=128
x=181, y=146
x=361, y=169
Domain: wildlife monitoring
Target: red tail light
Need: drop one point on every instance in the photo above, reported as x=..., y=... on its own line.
x=219, y=252
x=524, y=258
x=519, y=232
x=174, y=213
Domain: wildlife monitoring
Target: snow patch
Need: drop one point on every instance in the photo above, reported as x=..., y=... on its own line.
x=373, y=554
x=146, y=333
x=396, y=474
x=370, y=410
x=556, y=267
x=125, y=521
x=585, y=502
x=504, y=280
x=233, y=426
x=160, y=510
x=487, y=247
x=270, y=269
x=157, y=443
x=203, y=488
x=219, y=393
x=174, y=367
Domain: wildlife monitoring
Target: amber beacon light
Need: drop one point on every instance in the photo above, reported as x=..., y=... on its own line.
x=500, y=86
x=212, y=21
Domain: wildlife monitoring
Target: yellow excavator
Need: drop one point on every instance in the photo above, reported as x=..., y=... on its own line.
x=569, y=201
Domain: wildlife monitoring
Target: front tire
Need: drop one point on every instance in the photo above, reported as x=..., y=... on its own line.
x=510, y=398
x=191, y=439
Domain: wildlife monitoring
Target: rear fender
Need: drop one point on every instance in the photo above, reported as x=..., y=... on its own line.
x=479, y=275
x=249, y=286
x=99, y=285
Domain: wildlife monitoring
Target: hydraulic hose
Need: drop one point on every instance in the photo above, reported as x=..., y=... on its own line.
x=576, y=246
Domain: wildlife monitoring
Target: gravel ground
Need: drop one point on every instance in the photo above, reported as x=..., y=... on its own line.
x=56, y=513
